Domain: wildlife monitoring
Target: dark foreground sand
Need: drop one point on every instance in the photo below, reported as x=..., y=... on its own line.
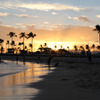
x=73, y=79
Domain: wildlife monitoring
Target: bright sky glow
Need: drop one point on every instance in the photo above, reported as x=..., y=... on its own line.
x=52, y=20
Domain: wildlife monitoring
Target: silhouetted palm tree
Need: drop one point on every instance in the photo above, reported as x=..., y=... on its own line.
x=45, y=45
x=87, y=47
x=67, y=47
x=31, y=35
x=98, y=47
x=12, y=34
x=13, y=44
x=81, y=48
x=22, y=35
x=41, y=48
x=20, y=43
x=97, y=28
x=31, y=46
x=1, y=41
x=93, y=46
x=7, y=43
x=61, y=47
x=75, y=47
x=55, y=47
x=25, y=47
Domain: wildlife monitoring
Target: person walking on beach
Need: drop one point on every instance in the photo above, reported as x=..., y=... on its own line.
x=89, y=56
x=49, y=60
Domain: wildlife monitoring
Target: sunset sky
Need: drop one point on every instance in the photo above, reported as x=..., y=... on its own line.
x=54, y=21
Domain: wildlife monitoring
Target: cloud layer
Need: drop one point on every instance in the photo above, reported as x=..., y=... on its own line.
x=82, y=18
x=46, y=7
x=3, y=14
x=40, y=6
x=68, y=34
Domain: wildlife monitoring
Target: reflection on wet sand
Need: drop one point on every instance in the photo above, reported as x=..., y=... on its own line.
x=28, y=76
x=12, y=86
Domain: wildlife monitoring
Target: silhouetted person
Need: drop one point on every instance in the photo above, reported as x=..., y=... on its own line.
x=49, y=61
x=89, y=56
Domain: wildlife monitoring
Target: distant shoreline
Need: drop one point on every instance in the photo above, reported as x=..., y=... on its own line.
x=43, y=59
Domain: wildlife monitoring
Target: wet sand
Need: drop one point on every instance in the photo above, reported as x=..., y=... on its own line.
x=14, y=79
x=74, y=79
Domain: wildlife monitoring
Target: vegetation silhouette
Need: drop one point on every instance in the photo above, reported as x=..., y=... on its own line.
x=44, y=49
x=97, y=28
x=31, y=35
x=23, y=35
x=7, y=43
x=12, y=34
x=1, y=41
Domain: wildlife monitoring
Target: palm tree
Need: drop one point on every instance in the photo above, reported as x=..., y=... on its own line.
x=1, y=41
x=7, y=43
x=61, y=47
x=67, y=47
x=87, y=47
x=93, y=47
x=98, y=47
x=31, y=35
x=55, y=47
x=31, y=46
x=12, y=34
x=41, y=48
x=45, y=45
x=13, y=43
x=20, y=43
x=97, y=28
x=22, y=35
x=82, y=50
x=75, y=47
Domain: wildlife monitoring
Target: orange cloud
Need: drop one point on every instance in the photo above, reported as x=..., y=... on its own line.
x=68, y=34
x=3, y=14
x=21, y=15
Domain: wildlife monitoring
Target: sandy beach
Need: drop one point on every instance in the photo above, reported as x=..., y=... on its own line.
x=71, y=81
x=74, y=79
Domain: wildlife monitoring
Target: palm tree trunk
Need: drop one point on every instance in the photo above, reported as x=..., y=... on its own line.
x=23, y=43
x=11, y=42
x=8, y=46
x=0, y=48
x=32, y=45
x=99, y=38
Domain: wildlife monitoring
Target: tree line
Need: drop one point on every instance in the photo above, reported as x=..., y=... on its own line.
x=12, y=42
x=44, y=49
